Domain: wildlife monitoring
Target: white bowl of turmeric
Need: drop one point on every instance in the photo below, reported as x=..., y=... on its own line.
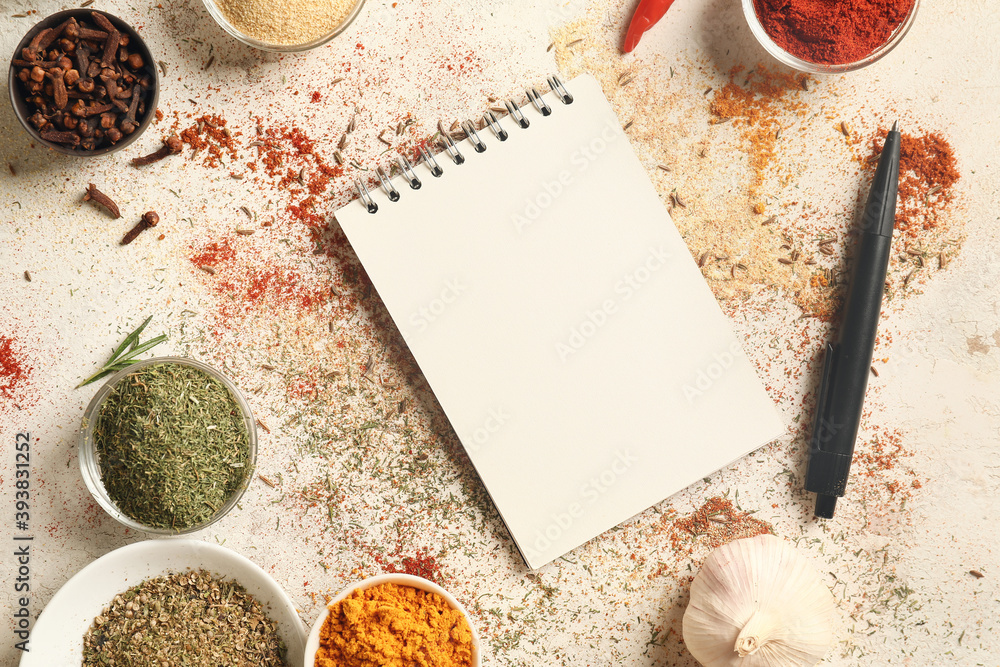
x=393, y=620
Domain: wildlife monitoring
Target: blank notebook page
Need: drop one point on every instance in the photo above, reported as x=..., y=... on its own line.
x=562, y=324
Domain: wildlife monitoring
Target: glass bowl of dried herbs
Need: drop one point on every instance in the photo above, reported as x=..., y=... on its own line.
x=168, y=446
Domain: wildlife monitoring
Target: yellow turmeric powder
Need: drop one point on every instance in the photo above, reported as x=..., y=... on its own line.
x=390, y=625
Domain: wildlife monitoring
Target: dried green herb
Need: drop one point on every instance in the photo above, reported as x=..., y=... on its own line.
x=193, y=619
x=172, y=445
x=126, y=353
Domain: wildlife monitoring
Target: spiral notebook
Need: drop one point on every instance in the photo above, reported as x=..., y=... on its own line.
x=559, y=319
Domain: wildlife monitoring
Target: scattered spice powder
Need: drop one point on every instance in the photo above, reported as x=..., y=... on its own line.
x=394, y=626
x=928, y=172
x=720, y=522
x=756, y=106
x=14, y=371
x=274, y=285
x=213, y=254
x=881, y=479
x=418, y=565
x=880, y=454
x=210, y=134
x=288, y=155
x=252, y=283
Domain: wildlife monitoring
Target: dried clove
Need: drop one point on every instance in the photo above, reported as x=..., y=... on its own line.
x=128, y=124
x=95, y=195
x=64, y=138
x=171, y=146
x=149, y=219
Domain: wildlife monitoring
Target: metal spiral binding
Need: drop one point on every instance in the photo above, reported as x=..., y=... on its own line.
x=436, y=169
x=366, y=198
x=559, y=89
x=540, y=104
x=404, y=164
x=451, y=147
x=491, y=120
x=470, y=132
x=515, y=113
x=387, y=185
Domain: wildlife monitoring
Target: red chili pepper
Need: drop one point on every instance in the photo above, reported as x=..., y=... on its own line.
x=646, y=15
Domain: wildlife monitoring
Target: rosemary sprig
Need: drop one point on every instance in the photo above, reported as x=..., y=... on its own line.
x=126, y=353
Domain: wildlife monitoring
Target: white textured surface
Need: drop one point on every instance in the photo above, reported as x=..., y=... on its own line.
x=388, y=476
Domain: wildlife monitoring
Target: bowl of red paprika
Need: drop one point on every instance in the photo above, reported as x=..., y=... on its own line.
x=824, y=37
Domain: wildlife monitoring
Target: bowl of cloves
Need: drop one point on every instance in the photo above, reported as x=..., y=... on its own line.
x=83, y=82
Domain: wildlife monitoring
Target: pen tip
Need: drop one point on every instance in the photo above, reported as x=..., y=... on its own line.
x=895, y=126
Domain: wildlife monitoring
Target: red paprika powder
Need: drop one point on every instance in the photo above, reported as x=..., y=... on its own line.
x=13, y=370
x=831, y=32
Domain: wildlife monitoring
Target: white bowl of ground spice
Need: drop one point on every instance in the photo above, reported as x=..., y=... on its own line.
x=285, y=26
x=393, y=620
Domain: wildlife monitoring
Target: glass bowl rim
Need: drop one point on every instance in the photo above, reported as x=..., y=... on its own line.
x=786, y=58
x=216, y=13
x=90, y=465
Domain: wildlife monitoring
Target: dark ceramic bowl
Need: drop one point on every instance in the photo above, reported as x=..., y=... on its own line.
x=23, y=110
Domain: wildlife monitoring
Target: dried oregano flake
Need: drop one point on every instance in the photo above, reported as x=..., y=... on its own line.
x=191, y=619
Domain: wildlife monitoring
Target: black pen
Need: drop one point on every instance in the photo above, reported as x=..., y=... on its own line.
x=848, y=362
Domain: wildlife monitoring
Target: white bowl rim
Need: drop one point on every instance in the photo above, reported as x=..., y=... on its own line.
x=312, y=643
x=138, y=557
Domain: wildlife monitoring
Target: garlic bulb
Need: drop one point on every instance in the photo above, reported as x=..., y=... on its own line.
x=758, y=603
